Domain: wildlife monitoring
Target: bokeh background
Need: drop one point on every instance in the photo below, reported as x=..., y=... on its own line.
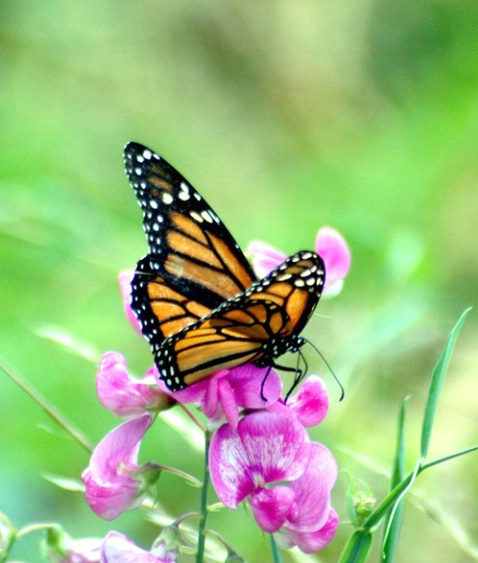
x=286, y=116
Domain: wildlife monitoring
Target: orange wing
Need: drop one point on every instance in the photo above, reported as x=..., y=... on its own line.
x=198, y=301
x=192, y=256
x=257, y=326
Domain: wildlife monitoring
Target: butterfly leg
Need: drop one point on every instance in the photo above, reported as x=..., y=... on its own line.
x=264, y=379
x=298, y=374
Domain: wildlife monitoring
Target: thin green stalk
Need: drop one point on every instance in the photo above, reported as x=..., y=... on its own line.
x=205, y=487
x=389, y=501
x=52, y=412
x=276, y=556
x=448, y=457
x=392, y=525
x=4, y=553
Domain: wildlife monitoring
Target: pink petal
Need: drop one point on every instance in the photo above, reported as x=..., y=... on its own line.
x=125, y=396
x=331, y=246
x=313, y=501
x=277, y=446
x=271, y=506
x=228, y=401
x=225, y=391
x=125, y=278
x=194, y=393
x=86, y=550
x=311, y=542
x=228, y=465
x=324, y=462
x=312, y=491
x=265, y=258
x=311, y=403
x=117, y=548
x=247, y=381
x=110, y=487
x=266, y=447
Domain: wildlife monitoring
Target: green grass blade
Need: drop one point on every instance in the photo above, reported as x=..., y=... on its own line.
x=438, y=377
x=51, y=411
x=394, y=518
x=357, y=548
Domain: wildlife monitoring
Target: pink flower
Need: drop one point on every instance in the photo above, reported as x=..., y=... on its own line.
x=221, y=395
x=125, y=278
x=117, y=548
x=312, y=523
x=309, y=405
x=329, y=245
x=265, y=258
x=124, y=395
x=268, y=447
x=114, y=481
x=265, y=448
x=63, y=549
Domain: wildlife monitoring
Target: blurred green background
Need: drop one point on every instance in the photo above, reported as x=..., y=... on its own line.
x=286, y=116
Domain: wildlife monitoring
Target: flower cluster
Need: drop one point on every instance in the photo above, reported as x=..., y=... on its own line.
x=114, y=548
x=260, y=450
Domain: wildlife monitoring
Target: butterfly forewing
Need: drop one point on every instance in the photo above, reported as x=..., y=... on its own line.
x=160, y=306
x=186, y=239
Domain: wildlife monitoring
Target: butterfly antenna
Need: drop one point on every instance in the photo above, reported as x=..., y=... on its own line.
x=342, y=390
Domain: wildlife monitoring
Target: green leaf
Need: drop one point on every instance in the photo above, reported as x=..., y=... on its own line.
x=394, y=518
x=357, y=548
x=438, y=377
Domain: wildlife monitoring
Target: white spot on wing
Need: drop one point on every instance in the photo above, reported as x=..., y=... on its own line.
x=196, y=216
x=206, y=216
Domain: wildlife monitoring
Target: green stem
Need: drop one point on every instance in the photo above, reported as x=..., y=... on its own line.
x=389, y=501
x=48, y=408
x=448, y=457
x=5, y=552
x=402, y=488
x=205, y=487
x=276, y=556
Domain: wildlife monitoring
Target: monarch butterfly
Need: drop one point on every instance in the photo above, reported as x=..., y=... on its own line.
x=197, y=299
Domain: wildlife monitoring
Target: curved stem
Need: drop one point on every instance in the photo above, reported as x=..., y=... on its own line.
x=205, y=487
x=52, y=412
x=276, y=556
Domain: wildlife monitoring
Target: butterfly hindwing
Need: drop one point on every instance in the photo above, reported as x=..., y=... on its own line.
x=257, y=326
x=231, y=336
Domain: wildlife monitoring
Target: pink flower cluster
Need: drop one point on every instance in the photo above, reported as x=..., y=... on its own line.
x=260, y=450
x=114, y=548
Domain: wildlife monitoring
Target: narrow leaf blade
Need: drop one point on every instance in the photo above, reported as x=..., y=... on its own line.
x=394, y=518
x=357, y=548
x=436, y=383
